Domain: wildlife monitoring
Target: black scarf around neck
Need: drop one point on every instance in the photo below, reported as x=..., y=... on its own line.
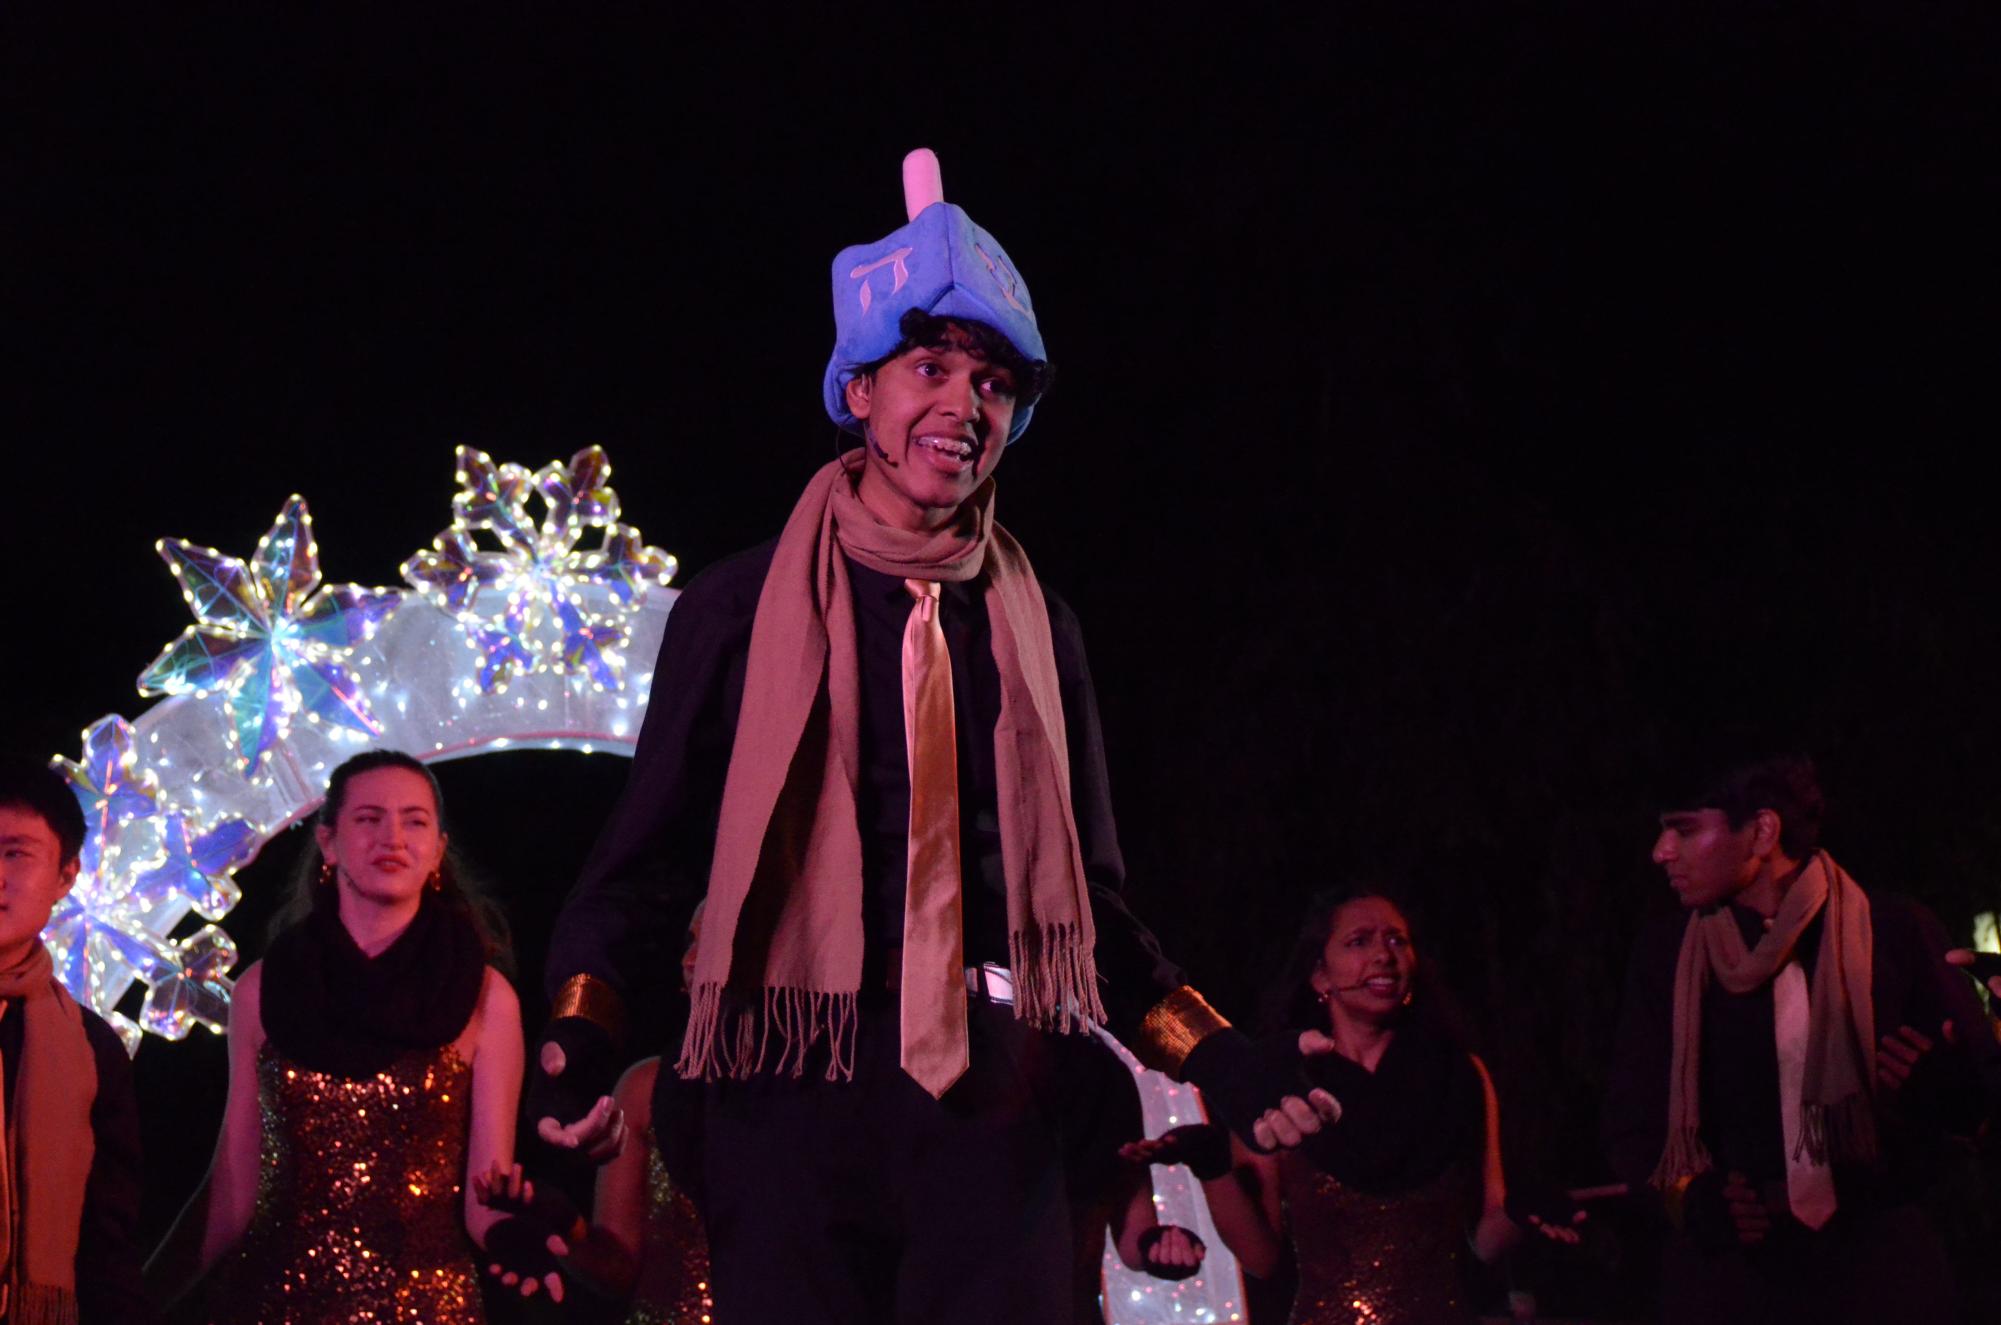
x=1418, y=1114
x=330, y=1007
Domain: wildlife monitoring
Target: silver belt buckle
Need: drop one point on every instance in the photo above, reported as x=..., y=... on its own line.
x=996, y=983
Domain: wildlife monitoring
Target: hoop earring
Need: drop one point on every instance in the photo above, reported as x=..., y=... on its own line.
x=327, y=873
x=1408, y=995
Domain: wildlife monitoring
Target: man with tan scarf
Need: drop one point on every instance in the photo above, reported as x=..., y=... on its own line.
x=1790, y=1055
x=874, y=746
x=69, y=1165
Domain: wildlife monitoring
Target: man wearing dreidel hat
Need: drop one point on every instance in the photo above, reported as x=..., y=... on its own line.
x=873, y=745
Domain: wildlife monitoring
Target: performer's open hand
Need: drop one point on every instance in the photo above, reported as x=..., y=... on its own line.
x=520, y=1250
x=1296, y=1118
x=1982, y=966
x=1171, y=1251
x=1203, y=1147
x=599, y=1135
x=1547, y=1210
x=1901, y=1051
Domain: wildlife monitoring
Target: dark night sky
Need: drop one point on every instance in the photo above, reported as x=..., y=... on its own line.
x=1457, y=405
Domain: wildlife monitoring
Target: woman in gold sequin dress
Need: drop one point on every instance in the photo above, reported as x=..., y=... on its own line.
x=1383, y=1206
x=375, y=1062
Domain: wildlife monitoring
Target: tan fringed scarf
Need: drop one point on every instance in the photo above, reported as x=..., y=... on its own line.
x=46, y=1159
x=780, y=961
x=1836, y=1101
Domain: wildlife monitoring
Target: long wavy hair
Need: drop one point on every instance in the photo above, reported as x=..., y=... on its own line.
x=458, y=885
x=1290, y=1002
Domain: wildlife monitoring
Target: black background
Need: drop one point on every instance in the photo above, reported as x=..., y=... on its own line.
x=1457, y=406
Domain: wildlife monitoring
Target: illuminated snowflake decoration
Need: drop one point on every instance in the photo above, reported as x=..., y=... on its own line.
x=268, y=637
x=145, y=865
x=531, y=597
x=280, y=678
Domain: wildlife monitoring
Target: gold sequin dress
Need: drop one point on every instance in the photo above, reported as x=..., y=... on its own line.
x=1374, y=1260
x=359, y=1199
x=673, y=1286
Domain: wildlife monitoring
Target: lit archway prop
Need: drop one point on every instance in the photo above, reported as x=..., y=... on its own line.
x=517, y=627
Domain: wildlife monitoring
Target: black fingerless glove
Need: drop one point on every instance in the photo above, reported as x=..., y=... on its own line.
x=552, y=1210
x=1203, y=1147
x=519, y=1245
x=1150, y=1238
x=1241, y=1078
x=590, y=1069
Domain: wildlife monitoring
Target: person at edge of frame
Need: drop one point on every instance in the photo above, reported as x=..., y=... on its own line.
x=1790, y=1057
x=851, y=858
x=70, y=1182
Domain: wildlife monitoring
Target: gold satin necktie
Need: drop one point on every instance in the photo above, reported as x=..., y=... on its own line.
x=933, y=979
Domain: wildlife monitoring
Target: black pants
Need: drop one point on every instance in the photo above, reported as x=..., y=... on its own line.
x=1865, y=1266
x=839, y=1203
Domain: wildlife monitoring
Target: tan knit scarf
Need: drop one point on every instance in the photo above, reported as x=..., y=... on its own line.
x=780, y=960
x=1838, y=1120
x=46, y=1159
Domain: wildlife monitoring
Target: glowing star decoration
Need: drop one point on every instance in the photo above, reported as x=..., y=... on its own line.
x=269, y=637
x=537, y=600
x=145, y=864
x=570, y=605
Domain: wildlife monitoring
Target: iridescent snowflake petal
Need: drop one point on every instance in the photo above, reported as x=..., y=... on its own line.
x=198, y=992
x=493, y=496
x=287, y=564
x=199, y=660
x=590, y=482
x=625, y=566
x=503, y=649
x=256, y=703
x=590, y=646
x=333, y=693
x=220, y=590
x=343, y=616
x=107, y=781
x=575, y=496
x=453, y=572
x=196, y=870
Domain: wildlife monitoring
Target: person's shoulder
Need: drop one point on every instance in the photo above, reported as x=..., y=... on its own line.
x=634, y=1091
x=497, y=996
x=1895, y=916
x=730, y=586
x=1061, y=615
x=107, y=1047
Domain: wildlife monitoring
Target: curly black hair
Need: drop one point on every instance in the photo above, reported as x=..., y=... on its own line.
x=922, y=330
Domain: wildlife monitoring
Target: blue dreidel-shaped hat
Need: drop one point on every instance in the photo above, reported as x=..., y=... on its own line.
x=940, y=262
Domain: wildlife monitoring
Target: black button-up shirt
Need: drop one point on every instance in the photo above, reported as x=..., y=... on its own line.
x=624, y=922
